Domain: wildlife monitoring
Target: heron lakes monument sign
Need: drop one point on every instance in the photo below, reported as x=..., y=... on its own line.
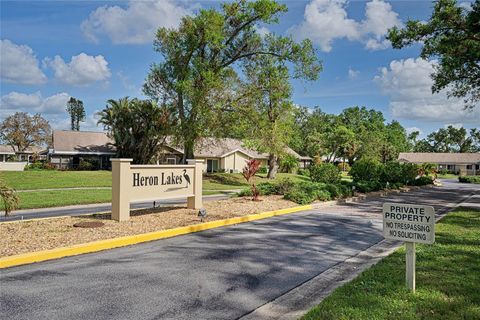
x=132, y=182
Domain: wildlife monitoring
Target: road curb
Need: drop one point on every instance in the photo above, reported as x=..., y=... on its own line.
x=28, y=258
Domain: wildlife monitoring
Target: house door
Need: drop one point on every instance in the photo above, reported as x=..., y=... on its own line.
x=212, y=165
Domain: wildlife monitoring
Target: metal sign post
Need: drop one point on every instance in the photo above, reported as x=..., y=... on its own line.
x=412, y=224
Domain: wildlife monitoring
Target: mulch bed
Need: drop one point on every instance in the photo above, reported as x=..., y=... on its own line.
x=37, y=235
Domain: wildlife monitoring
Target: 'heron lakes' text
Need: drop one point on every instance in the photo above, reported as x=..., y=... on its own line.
x=163, y=179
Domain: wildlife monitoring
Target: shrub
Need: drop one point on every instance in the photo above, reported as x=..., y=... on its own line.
x=469, y=179
x=323, y=195
x=409, y=172
x=366, y=170
x=367, y=186
x=267, y=188
x=300, y=196
x=307, y=192
x=245, y=192
x=422, y=181
x=334, y=190
x=326, y=173
x=39, y=165
x=263, y=170
x=343, y=166
x=288, y=163
x=392, y=173
x=339, y=190
x=303, y=172
x=284, y=185
x=9, y=198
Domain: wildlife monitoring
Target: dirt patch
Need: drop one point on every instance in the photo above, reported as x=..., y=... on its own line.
x=37, y=235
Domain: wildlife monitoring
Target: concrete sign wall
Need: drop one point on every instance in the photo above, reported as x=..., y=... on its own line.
x=154, y=182
x=408, y=222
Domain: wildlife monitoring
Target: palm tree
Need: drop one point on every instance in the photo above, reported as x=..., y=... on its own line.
x=138, y=127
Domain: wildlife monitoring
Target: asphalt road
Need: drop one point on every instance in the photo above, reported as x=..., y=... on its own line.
x=222, y=273
x=94, y=208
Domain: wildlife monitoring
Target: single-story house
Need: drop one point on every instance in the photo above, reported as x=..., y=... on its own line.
x=73, y=149
x=70, y=148
x=7, y=153
x=459, y=163
x=11, y=160
x=226, y=155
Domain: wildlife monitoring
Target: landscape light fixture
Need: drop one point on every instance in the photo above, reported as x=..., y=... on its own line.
x=202, y=213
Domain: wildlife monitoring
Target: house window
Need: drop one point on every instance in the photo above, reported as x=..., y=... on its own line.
x=171, y=161
x=450, y=167
x=212, y=165
x=469, y=167
x=477, y=167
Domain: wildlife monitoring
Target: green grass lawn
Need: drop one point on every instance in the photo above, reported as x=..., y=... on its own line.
x=46, y=179
x=58, y=198
x=447, y=176
x=231, y=181
x=448, y=280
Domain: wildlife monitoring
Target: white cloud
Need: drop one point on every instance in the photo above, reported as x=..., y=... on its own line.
x=33, y=103
x=353, y=74
x=81, y=70
x=19, y=64
x=408, y=84
x=327, y=20
x=135, y=24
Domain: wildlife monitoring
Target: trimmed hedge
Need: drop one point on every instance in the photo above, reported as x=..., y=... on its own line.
x=391, y=175
x=469, y=179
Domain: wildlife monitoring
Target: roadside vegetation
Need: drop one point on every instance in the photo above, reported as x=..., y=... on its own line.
x=469, y=179
x=326, y=182
x=448, y=274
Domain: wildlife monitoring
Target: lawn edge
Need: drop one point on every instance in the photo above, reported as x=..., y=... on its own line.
x=89, y=247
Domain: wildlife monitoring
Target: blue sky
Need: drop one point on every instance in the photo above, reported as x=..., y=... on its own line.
x=99, y=50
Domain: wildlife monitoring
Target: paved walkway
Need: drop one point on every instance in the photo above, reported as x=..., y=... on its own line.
x=224, y=273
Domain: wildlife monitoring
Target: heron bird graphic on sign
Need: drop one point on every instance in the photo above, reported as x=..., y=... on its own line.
x=187, y=178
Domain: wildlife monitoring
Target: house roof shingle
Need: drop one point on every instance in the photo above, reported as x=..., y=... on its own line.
x=443, y=158
x=99, y=142
x=82, y=142
x=7, y=149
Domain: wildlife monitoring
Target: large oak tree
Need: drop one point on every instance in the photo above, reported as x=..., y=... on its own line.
x=22, y=131
x=199, y=57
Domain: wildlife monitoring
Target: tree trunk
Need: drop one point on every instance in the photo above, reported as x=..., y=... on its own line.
x=272, y=166
x=188, y=152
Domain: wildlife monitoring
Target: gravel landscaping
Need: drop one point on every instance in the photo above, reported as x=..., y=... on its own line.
x=37, y=235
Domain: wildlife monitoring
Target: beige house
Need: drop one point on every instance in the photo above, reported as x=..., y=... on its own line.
x=71, y=148
x=7, y=153
x=225, y=155
x=459, y=163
